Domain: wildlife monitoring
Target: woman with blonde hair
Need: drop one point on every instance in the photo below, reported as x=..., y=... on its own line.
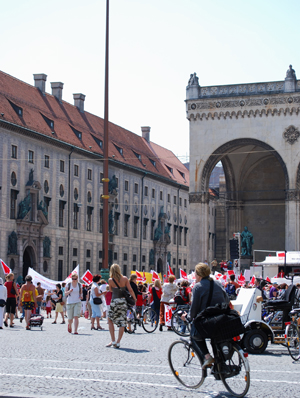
x=201, y=292
x=117, y=313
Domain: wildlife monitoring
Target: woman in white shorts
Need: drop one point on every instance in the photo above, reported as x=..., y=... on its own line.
x=73, y=292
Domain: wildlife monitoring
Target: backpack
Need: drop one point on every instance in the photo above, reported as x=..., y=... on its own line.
x=181, y=296
x=79, y=285
x=230, y=290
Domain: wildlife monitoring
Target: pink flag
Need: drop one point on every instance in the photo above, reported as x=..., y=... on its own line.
x=268, y=279
x=154, y=276
x=5, y=267
x=170, y=272
x=251, y=283
x=87, y=277
x=182, y=274
x=230, y=272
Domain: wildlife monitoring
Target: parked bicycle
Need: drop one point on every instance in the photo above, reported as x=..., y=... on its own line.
x=292, y=334
x=231, y=365
x=180, y=327
x=148, y=321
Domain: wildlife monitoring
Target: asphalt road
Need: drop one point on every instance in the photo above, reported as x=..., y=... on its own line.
x=53, y=362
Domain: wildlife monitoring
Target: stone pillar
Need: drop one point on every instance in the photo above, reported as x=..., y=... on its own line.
x=292, y=222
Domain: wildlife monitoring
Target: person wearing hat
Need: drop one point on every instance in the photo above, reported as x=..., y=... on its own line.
x=274, y=291
x=3, y=296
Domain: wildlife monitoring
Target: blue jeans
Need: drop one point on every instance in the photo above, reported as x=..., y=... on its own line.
x=38, y=308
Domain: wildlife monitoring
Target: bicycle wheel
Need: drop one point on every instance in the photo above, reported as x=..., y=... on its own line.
x=130, y=322
x=185, y=364
x=179, y=326
x=235, y=373
x=150, y=320
x=292, y=341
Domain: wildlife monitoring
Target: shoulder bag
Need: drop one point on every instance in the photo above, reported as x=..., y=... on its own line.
x=2, y=303
x=97, y=300
x=130, y=300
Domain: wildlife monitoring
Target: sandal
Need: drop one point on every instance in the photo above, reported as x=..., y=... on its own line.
x=100, y=328
x=112, y=343
x=69, y=329
x=62, y=323
x=54, y=323
x=117, y=345
x=75, y=332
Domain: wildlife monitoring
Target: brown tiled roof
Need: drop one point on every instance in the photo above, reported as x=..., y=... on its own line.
x=37, y=108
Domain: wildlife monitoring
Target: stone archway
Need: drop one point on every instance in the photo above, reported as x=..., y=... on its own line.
x=28, y=260
x=159, y=266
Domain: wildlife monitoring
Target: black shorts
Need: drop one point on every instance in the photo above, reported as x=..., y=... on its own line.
x=11, y=305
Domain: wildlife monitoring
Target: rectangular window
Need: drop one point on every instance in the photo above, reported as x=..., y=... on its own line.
x=136, y=188
x=143, y=259
x=153, y=193
x=47, y=205
x=126, y=186
x=126, y=223
x=174, y=271
x=124, y=269
x=87, y=265
x=89, y=174
x=61, y=213
x=125, y=257
x=134, y=268
x=152, y=229
x=74, y=264
x=134, y=258
x=30, y=156
x=135, y=227
x=185, y=236
x=179, y=236
x=101, y=221
x=179, y=261
x=116, y=226
x=62, y=166
x=174, y=200
x=184, y=262
x=100, y=253
x=89, y=212
x=88, y=253
x=47, y=162
x=101, y=178
x=14, y=152
x=185, y=202
x=76, y=170
x=60, y=250
x=115, y=256
x=174, y=262
x=180, y=201
x=169, y=198
x=75, y=216
x=74, y=251
x=174, y=234
x=60, y=270
x=161, y=195
x=13, y=204
x=145, y=222
x=100, y=266
x=146, y=191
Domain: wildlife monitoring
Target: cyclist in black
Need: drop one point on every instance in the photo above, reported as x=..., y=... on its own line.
x=199, y=303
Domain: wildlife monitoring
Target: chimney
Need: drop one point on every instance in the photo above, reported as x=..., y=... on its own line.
x=57, y=89
x=40, y=81
x=79, y=101
x=146, y=133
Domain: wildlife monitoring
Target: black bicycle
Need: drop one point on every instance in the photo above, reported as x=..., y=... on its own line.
x=180, y=327
x=149, y=320
x=231, y=365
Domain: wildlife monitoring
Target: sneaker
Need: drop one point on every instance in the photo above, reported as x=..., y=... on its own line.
x=208, y=363
x=160, y=328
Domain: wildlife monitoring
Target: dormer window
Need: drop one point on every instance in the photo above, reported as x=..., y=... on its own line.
x=16, y=108
x=182, y=174
x=77, y=133
x=48, y=121
x=98, y=141
x=120, y=150
x=153, y=162
x=138, y=156
x=170, y=169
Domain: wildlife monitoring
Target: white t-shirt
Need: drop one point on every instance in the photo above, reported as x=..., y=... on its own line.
x=74, y=296
x=94, y=286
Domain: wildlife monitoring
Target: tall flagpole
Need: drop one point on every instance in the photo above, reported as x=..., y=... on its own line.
x=105, y=196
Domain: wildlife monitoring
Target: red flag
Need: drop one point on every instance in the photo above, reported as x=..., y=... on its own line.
x=182, y=274
x=218, y=275
x=139, y=276
x=87, y=277
x=170, y=272
x=223, y=279
x=241, y=280
x=230, y=272
x=144, y=277
x=251, y=283
x=268, y=279
x=5, y=268
x=154, y=276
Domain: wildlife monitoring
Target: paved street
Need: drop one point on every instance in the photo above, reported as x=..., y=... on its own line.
x=54, y=363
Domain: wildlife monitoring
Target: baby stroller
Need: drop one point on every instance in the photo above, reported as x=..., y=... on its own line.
x=36, y=320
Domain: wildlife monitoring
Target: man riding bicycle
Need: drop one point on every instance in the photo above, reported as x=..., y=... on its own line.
x=200, y=302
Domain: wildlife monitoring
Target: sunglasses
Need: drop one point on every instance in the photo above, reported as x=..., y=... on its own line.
x=74, y=279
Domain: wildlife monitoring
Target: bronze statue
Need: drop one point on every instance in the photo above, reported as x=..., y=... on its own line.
x=12, y=243
x=246, y=242
x=46, y=246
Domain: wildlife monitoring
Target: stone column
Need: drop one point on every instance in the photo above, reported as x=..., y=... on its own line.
x=292, y=221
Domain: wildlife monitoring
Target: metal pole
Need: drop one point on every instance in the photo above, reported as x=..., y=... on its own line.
x=105, y=196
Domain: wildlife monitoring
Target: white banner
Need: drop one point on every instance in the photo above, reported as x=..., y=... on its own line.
x=47, y=283
x=168, y=315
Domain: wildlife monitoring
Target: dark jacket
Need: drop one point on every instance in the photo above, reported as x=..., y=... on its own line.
x=200, y=296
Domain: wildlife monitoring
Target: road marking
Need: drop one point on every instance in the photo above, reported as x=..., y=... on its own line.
x=111, y=371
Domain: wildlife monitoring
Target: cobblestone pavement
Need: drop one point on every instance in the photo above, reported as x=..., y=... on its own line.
x=53, y=362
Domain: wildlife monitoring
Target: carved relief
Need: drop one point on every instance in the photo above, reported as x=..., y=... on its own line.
x=292, y=195
x=199, y=197
x=291, y=134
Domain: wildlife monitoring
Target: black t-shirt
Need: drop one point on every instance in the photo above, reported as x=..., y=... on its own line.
x=84, y=293
x=134, y=288
x=60, y=300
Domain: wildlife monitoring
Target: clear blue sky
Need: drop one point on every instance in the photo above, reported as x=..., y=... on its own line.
x=154, y=46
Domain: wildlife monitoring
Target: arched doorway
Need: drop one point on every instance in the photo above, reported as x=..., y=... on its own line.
x=28, y=260
x=159, y=266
